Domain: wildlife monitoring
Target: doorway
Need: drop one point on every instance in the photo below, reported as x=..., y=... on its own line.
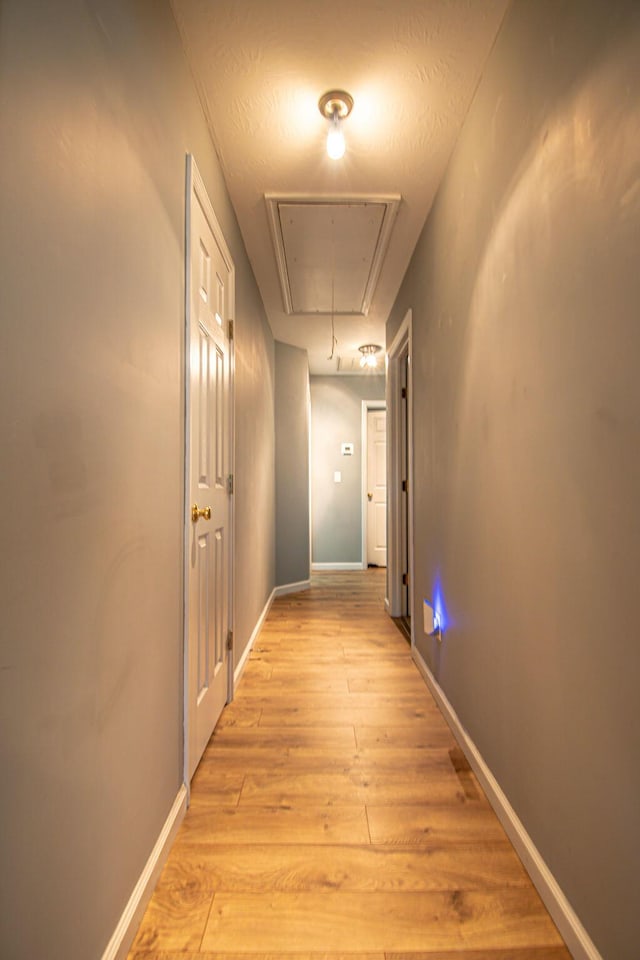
x=400, y=479
x=374, y=484
x=209, y=296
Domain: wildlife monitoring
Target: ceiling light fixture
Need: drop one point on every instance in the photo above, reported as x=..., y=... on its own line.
x=335, y=106
x=369, y=356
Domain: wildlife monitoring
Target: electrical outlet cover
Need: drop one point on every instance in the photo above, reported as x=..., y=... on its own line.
x=429, y=619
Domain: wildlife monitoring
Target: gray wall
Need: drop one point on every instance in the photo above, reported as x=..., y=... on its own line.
x=336, y=508
x=292, y=465
x=98, y=111
x=525, y=289
x=255, y=494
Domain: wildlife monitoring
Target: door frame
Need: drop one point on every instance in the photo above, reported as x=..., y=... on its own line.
x=401, y=347
x=364, y=448
x=194, y=185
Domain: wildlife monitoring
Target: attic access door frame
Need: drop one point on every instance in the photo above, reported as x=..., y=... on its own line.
x=399, y=472
x=330, y=249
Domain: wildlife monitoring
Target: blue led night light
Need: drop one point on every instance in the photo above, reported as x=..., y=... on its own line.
x=440, y=615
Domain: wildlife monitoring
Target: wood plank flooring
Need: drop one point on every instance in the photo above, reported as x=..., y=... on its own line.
x=333, y=815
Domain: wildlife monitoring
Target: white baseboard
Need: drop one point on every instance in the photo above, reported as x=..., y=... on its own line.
x=276, y=592
x=242, y=662
x=567, y=921
x=123, y=935
x=337, y=566
x=287, y=588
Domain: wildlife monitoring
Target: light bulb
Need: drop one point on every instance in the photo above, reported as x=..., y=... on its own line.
x=335, y=105
x=335, y=140
x=369, y=360
x=369, y=356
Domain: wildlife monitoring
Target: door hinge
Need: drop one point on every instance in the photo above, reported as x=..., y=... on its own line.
x=230, y=640
x=404, y=393
x=230, y=483
x=405, y=579
x=405, y=486
x=230, y=329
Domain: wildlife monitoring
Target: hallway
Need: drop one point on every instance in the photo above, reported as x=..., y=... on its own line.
x=334, y=815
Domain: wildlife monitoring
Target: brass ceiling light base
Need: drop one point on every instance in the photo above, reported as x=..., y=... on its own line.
x=335, y=103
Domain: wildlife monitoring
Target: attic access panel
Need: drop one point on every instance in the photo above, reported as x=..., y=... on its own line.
x=330, y=250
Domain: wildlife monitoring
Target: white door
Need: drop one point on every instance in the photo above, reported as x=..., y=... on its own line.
x=377, y=487
x=210, y=278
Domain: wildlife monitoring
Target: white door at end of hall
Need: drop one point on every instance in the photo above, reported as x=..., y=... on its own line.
x=209, y=526
x=377, y=487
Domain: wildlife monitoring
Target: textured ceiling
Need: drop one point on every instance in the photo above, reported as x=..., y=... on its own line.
x=412, y=67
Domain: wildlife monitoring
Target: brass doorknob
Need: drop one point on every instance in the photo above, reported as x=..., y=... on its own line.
x=197, y=512
x=370, y=496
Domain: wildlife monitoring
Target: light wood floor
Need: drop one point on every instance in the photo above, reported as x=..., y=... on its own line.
x=333, y=815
